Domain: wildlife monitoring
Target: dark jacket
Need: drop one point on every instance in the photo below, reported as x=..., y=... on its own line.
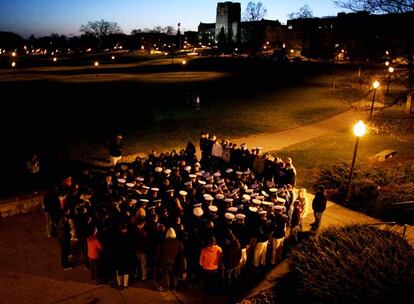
x=231, y=254
x=279, y=225
x=171, y=252
x=319, y=202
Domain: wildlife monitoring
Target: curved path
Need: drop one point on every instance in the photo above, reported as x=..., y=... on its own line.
x=283, y=139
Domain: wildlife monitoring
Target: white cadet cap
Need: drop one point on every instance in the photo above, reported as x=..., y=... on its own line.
x=197, y=164
x=192, y=176
x=130, y=185
x=249, y=191
x=188, y=183
x=145, y=187
x=228, y=200
x=254, y=195
x=229, y=170
x=217, y=174
x=263, y=212
x=219, y=196
x=267, y=204
x=187, y=168
x=121, y=180
x=208, y=197
x=253, y=209
x=167, y=171
x=240, y=216
x=272, y=190
x=155, y=189
x=229, y=216
x=201, y=182
x=143, y=200
x=220, y=181
x=198, y=211
x=140, y=179
x=183, y=193
x=264, y=193
x=246, y=197
x=213, y=208
x=281, y=200
x=158, y=169
x=278, y=207
x=256, y=201
x=239, y=172
x=232, y=209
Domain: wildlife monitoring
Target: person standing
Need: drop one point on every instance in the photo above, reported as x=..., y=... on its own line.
x=319, y=206
x=124, y=255
x=170, y=256
x=115, y=150
x=94, y=250
x=211, y=262
x=279, y=228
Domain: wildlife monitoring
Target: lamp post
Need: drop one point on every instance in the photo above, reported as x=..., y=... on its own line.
x=390, y=70
x=184, y=63
x=13, y=66
x=359, y=131
x=375, y=85
x=96, y=64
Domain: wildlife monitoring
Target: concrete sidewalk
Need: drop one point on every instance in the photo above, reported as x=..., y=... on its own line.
x=335, y=215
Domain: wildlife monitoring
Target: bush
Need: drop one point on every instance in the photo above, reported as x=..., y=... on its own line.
x=374, y=188
x=353, y=264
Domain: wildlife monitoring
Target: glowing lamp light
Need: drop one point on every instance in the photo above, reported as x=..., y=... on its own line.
x=376, y=84
x=13, y=64
x=113, y=57
x=360, y=129
x=387, y=63
x=142, y=47
x=292, y=51
x=391, y=69
x=14, y=54
x=96, y=63
x=343, y=51
x=387, y=53
x=54, y=59
x=184, y=62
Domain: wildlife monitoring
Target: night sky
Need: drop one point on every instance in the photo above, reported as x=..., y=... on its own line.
x=42, y=17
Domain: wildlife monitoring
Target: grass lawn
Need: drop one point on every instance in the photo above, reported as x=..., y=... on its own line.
x=311, y=156
x=227, y=117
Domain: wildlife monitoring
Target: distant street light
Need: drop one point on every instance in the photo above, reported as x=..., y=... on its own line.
x=14, y=54
x=54, y=59
x=359, y=130
x=387, y=63
x=113, y=57
x=375, y=85
x=390, y=71
x=13, y=64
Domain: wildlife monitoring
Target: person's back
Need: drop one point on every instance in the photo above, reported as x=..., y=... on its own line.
x=170, y=250
x=210, y=257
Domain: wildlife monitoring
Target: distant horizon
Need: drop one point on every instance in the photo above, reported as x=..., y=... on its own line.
x=44, y=17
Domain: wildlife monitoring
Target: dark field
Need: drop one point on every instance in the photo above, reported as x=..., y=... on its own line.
x=71, y=110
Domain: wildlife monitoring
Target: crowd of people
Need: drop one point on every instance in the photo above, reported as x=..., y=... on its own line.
x=178, y=220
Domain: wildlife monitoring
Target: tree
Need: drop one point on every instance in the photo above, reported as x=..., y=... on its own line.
x=100, y=28
x=254, y=11
x=304, y=12
x=377, y=6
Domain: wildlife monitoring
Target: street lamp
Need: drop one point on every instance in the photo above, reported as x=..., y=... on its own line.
x=375, y=85
x=184, y=63
x=359, y=130
x=54, y=59
x=113, y=57
x=96, y=64
x=390, y=70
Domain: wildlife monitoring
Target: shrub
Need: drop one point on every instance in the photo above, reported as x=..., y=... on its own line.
x=374, y=188
x=353, y=264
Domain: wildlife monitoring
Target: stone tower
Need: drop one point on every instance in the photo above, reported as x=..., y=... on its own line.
x=228, y=21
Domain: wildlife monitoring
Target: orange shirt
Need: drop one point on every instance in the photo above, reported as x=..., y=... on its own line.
x=210, y=257
x=94, y=247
